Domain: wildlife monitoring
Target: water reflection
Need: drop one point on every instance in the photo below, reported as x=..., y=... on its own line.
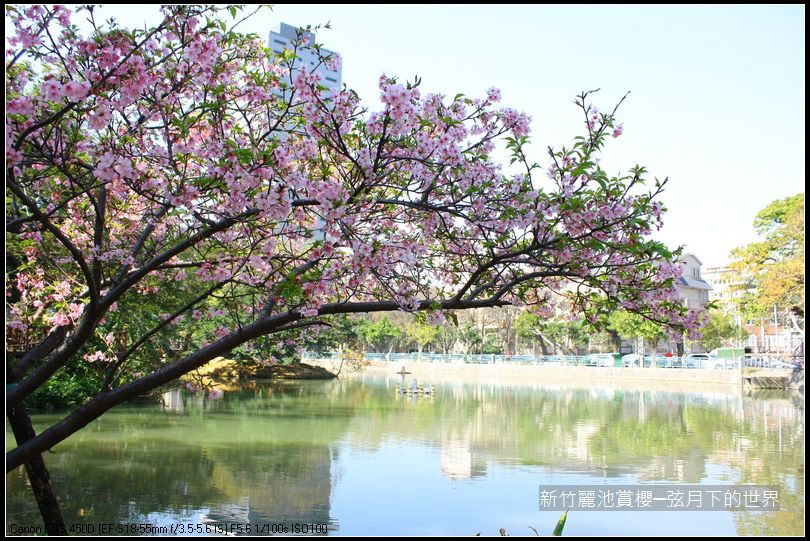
x=351, y=455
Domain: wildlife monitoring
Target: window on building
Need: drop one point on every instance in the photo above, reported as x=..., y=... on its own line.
x=280, y=42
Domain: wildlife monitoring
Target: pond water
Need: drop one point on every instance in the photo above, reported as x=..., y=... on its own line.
x=354, y=457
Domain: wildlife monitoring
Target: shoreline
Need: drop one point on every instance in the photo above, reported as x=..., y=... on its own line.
x=664, y=379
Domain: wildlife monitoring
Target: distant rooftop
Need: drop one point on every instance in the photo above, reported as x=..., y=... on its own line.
x=290, y=32
x=695, y=283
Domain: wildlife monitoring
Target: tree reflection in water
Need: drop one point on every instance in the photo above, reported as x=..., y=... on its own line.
x=270, y=452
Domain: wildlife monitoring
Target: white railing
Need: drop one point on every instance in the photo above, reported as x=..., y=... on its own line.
x=660, y=361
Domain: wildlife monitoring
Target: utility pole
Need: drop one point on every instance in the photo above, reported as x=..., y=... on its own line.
x=775, y=329
x=761, y=343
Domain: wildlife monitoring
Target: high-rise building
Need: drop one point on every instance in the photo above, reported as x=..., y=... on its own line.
x=766, y=333
x=285, y=37
x=726, y=285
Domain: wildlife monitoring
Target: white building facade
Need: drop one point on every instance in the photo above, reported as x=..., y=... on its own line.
x=285, y=37
x=726, y=286
x=692, y=288
x=693, y=292
x=766, y=334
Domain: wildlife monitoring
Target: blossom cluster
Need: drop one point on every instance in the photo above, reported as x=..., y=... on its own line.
x=196, y=143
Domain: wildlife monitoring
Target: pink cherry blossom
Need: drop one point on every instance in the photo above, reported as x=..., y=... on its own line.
x=186, y=168
x=221, y=331
x=334, y=62
x=76, y=90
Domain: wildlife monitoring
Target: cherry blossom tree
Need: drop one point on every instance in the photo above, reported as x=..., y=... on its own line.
x=189, y=167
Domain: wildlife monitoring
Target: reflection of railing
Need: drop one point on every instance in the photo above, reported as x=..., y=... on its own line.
x=18, y=341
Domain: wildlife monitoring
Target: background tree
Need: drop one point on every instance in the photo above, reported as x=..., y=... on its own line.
x=448, y=334
x=720, y=330
x=774, y=265
x=469, y=338
x=380, y=334
x=527, y=327
x=630, y=325
x=190, y=157
x=421, y=334
x=504, y=319
x=551, y=335
x=341, y=334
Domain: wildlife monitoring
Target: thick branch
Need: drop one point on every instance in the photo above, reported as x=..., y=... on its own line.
x=43, y=348
x=92, y=410
x=145, y=338
x=89, y=322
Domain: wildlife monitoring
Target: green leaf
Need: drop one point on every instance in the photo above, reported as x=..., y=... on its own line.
x=290, y=291
x=244, y=155
x=558, y=530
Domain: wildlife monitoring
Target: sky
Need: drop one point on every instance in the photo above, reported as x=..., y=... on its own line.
x=716, y=104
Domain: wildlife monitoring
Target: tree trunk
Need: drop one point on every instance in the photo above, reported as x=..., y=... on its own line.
x=794, y=323
x=543, y=345
x=37, y=474
x=615, y=340
x=103, y=402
